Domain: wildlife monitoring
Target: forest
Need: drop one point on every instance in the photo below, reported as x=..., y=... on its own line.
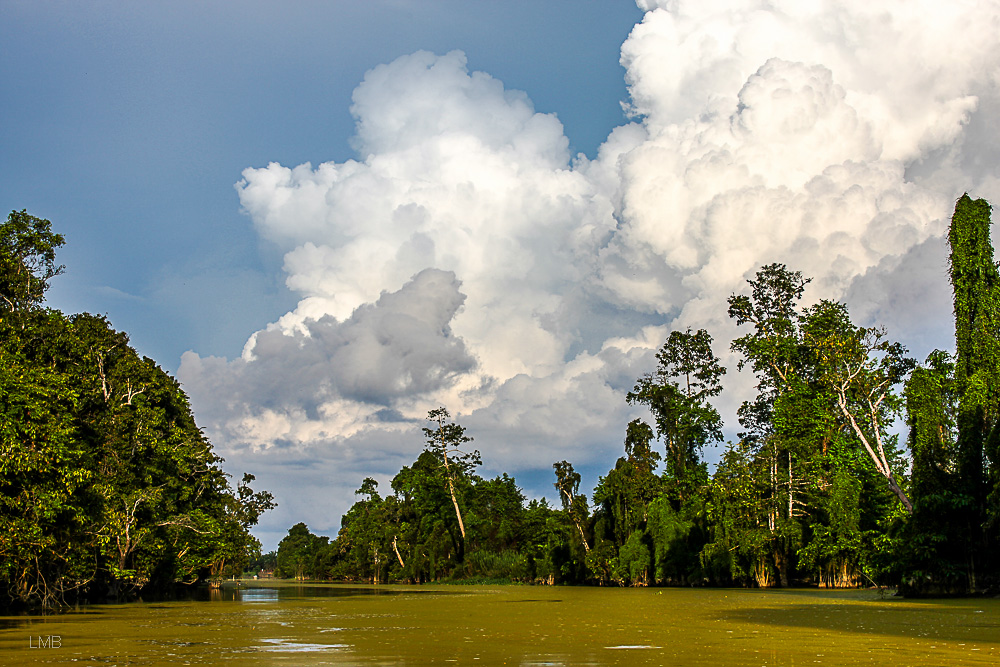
x=816, y=491
x=108, y=489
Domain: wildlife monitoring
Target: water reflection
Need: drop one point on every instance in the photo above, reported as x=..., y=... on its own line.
x=258, y=594
x=265, y=593
x=287, y=646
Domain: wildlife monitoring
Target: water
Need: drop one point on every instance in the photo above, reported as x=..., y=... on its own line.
x=278, y=624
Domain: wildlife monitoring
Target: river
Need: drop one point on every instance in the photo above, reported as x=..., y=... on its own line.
x=282, y=624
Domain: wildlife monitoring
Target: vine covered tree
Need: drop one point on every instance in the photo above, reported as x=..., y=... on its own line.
x=953, y=404
x=975, y=281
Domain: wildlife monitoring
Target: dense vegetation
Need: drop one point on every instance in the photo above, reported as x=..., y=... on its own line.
x=108, y=489
x=817, y=490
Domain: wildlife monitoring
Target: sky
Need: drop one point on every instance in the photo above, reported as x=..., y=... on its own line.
x=328, y=218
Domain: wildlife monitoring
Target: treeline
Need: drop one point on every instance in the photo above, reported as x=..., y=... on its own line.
x=108, y=489
x=816, y=491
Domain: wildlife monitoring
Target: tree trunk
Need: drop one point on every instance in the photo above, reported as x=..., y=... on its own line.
x=900, y=493
x=394, y=548
x=583, y=538
x=877, y=458
x=458, y=512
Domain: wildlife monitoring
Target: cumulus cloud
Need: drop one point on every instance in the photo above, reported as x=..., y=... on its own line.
x=466, y=259
x=317, y=378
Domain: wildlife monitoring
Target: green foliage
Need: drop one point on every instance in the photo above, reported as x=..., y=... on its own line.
x=952, y=409
x=506, y=565
x=861, y=368
x=302, y=555
x=931, y=548
x=669, y=532
x=814, y=492
x=27, y=262
x=688, y=374
x=107, y=486
x=741, y=523
x=826, y=395
x=574, y=503
x=976, y=284
x=635, y=559
x=837, y=550
x=445, y=443
x=43, y=518
x=773, y=350
x=415, y=534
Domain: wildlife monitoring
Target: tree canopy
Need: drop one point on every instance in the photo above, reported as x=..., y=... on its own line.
x=107, y=486
x=817, y=490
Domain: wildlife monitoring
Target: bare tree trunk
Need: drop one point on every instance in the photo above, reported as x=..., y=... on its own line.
x=879, y=458
x=394, y=548
x=454, y=501
x=583, y=538
x=451, y=490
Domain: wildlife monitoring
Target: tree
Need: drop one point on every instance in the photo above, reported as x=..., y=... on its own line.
x=44, y=519
x=107, y=485
x=678, y=393
x=364, y=532
x=446, y=442
x=573, y=502
x=625, y=492
x=773, y=349
x=297, y=552
x=935, y=539
x=953, y=405
x=741, y=547
x=975, y=280
x=426, y=524
x=862, y=368
x=826, y=393
x=782, y=422
x=27, y=261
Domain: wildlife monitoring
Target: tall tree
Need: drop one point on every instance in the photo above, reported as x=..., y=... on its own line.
x=574, y=503
x=934, y=541
x=773, y=349
x=975, y=280
x=826, y=395
x=782, y=422
x=687, y=376
x=862, y=368
x=446, y=441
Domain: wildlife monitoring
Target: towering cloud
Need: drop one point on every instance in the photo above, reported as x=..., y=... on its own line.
x=466, y=259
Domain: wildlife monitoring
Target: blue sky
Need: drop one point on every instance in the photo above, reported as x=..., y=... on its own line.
x=127, y=124
x=330, y=217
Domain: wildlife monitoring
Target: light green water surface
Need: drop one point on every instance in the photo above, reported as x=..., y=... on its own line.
x=274, y=624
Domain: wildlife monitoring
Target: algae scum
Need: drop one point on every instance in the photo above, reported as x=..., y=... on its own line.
x=515, y=625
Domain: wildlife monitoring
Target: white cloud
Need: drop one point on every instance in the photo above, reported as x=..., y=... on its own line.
x=324, y=376
x=829, y=136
